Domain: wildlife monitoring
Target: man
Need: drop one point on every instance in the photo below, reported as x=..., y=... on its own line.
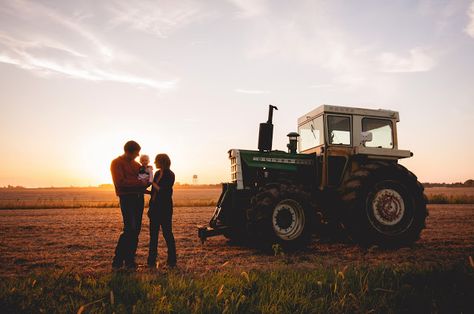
x=130, y=191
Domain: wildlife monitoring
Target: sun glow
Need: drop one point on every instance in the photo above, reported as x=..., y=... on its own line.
x=95, y=153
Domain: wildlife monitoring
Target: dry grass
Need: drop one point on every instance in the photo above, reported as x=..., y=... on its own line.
x=443, y=195
x=93, y=198
x=197, y=197
x=450, y=191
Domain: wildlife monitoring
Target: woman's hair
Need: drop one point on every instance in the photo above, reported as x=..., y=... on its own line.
x=163, y=160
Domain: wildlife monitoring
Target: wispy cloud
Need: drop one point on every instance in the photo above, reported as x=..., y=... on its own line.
x=470, y=27
x=251, y=91
x=323, y=85
x=37, y=10
x=417, y=60
x=313, y=40
x=315, y=35
x=67, y=48
x=249, y=8
x=47, y=67
x=157, y=18
x=38, y=43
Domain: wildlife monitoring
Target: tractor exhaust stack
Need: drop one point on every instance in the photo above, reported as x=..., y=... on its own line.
x=265, y=134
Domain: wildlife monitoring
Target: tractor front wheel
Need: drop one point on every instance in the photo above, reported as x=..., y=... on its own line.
x=281, y=213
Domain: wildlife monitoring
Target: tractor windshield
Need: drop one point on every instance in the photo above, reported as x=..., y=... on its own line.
x=339, y=130
x=311, y=134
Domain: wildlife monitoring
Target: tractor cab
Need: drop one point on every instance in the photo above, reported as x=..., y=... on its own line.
x=339, y=135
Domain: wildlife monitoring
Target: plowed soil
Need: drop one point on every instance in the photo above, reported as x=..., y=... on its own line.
x=84, y=240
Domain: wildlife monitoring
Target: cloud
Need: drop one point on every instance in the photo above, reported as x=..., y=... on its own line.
x=38, y=43
x=159, y=19
x=249, y=8
x=470, y=27
x=312, y=40
x=322, y=85
x=35, y=10
x=251, y=91
x=47, y=67
x=417, y=60
x=65, y=48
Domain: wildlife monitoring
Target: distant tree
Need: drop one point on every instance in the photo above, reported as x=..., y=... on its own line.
x=106, y=186
x=14, y=187
x=469, y=183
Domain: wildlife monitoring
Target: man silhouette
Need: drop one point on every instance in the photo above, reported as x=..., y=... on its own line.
x=130, y=191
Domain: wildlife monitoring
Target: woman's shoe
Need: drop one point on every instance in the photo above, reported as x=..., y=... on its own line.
x=131, y=266
x=171, y=264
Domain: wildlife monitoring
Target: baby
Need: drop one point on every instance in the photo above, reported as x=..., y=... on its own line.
x=146, y=171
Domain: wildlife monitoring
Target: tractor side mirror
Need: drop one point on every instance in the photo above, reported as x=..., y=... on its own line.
x=365, y=137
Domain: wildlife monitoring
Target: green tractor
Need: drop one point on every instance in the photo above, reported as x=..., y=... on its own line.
x=340, y=175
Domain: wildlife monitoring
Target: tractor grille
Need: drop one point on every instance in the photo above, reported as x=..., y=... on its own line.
x=233, y=169
x=236, y=168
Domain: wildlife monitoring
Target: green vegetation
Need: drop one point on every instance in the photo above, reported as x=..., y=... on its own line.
x=347, y=290
x=451, y=199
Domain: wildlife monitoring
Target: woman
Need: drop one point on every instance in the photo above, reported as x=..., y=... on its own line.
x=161, y=211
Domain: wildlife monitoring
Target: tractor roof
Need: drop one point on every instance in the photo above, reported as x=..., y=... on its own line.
x=349, y=110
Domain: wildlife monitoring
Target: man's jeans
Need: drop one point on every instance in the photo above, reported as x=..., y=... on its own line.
x=132, y=211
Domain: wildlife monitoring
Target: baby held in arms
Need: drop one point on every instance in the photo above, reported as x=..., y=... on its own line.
x=146, y=171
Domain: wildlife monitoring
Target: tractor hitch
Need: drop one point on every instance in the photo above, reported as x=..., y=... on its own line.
x=205, y=232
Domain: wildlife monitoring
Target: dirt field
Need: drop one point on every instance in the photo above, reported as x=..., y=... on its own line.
x=84, y=240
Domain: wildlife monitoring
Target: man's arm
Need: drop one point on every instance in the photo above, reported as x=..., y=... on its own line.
x=120, y=180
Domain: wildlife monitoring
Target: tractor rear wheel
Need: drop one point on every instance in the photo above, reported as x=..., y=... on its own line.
x=383, y=204
x=281, y=213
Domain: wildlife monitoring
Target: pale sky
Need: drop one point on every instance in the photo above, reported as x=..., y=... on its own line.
x=194, y=78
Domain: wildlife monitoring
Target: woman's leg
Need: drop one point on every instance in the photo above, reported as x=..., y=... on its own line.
x=153, y=248
x=166, y=224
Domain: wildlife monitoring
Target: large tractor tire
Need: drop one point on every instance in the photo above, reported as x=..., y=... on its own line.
x=383, y=204
x=281, y=213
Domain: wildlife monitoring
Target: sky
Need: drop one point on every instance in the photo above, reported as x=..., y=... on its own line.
x=195, y=78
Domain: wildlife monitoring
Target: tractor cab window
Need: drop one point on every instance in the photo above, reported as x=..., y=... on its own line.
x=339, y=130
x=381, y=132
x=311, y=134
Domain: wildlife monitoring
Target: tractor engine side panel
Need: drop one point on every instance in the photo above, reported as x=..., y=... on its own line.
x=255, y=169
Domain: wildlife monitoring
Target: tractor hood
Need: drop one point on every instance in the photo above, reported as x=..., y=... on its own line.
x=277, y=160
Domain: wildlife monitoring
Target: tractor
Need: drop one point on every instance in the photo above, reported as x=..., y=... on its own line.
x=339, y=176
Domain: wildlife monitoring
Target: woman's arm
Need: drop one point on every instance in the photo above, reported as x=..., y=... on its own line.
x=157, y=181
x=156, y=186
